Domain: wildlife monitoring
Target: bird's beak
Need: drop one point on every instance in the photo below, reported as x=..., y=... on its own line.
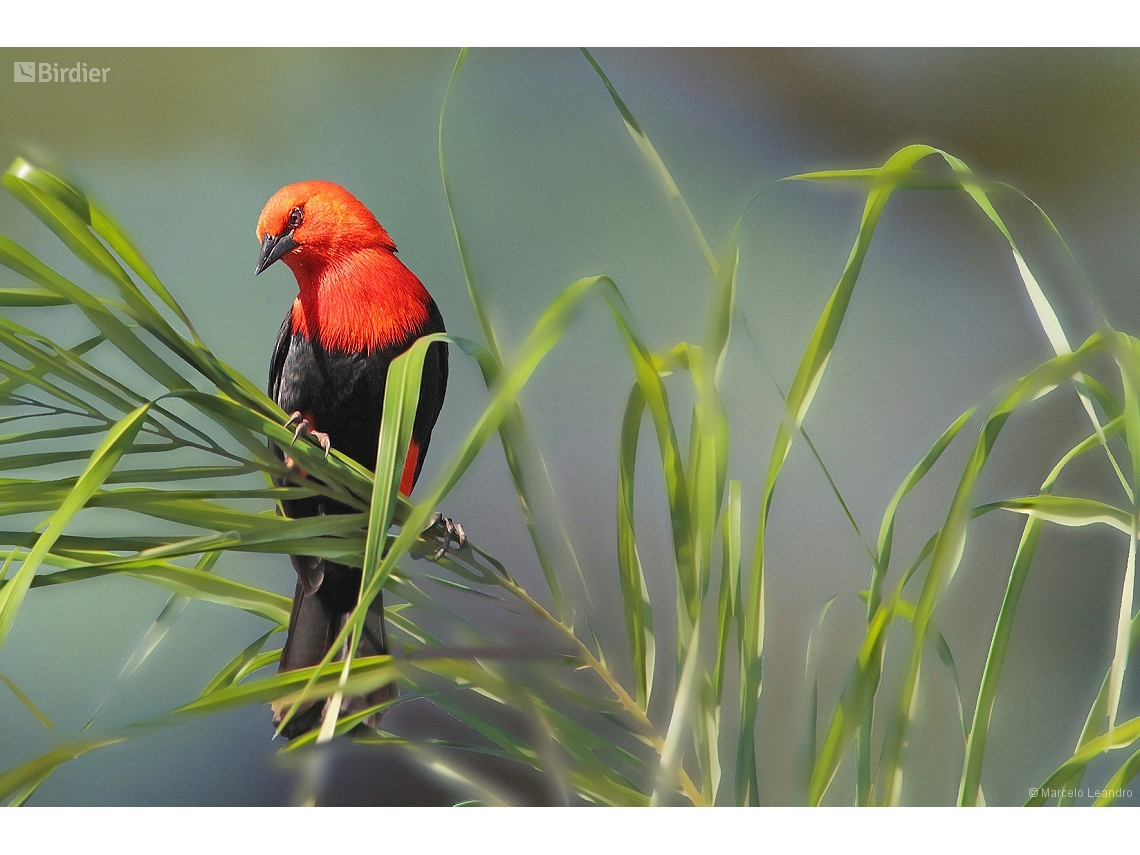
x=272, y=248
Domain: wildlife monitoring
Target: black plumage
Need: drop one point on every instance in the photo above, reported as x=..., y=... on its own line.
x=342, y=394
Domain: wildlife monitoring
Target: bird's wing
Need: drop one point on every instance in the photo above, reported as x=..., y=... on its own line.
x=432, y=388
x=310, y=570
x=280, y=351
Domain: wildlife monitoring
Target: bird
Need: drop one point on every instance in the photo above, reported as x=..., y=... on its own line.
x=357, y=308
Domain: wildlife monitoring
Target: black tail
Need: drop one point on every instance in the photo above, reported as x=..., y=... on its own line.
x=319, y=613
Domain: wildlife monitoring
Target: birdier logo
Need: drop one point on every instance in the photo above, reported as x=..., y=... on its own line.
x=53, y=72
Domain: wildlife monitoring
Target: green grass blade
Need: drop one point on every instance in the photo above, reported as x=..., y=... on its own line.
x=1067, y=511
x=27, y=702
x=22, y=780
x=476, y=301
x=102, y=461
x=401, y=400
x=634, y=591
x=916, y=474
x=654, y=159
x=20, y=260
x=978, y=190
x=241, y=663
x=854, y=702
x=1098, y=714
x=29, y=297
x=192, y=582
x=80, y=225
x=1122, y=736
x=729, y=584
x=683, y=703
x=154, y=635
x=969, y=791
x=1118, y=782
x=813, y=692
x=1046, y=315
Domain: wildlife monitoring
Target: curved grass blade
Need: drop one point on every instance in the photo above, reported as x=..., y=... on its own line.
x=187, y=581
x=20, y=260
x=880, y=563
x=857, y=696
x=1122, y=736
x=103, y=460
x=1046, y=315
x=635, y=593
x=651, y=155
x=862, y=686
x=80, y=225
x=154, y=635
x=1128, y=358
x=21, y=781
x=887, y=529
x=1098, y=714
x=979, y=190
x=813, y=695
x=241, y=664
x=1116, y=785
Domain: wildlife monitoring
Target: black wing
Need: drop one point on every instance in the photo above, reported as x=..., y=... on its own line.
x=310, y=570
x=280, y=351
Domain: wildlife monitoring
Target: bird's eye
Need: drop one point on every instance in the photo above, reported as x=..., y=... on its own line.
x=295, y=217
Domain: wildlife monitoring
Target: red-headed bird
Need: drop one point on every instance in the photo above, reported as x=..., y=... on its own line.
x=358, y=308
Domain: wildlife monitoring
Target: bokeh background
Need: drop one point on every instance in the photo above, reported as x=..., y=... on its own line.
x=185, y=146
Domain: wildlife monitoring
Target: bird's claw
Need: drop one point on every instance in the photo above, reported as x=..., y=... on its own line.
x=304, y=424
x=323, y=438
x=452, y=531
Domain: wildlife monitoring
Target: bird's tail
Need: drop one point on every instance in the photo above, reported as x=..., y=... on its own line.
x=318, y=616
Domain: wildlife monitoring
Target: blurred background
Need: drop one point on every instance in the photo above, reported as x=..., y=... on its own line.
x=183, y=147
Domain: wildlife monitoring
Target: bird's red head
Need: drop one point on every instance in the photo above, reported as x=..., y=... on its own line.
x=354, y=294
x=312, y=224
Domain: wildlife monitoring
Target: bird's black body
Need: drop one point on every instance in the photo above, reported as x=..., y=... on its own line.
x=342, y=394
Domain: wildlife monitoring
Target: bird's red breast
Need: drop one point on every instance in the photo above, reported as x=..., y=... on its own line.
x=354, y=293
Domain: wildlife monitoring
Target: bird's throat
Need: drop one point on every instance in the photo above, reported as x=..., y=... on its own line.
x=363, y=302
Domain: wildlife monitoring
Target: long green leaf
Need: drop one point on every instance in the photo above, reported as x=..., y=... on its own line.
x=118, y=439
x=631, y=575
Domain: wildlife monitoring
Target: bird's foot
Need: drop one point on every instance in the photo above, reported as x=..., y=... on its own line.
x=323, y=438
x=304, y=423
x=451, y=532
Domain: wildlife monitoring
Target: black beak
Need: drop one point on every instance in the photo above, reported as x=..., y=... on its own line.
x=272, y=248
